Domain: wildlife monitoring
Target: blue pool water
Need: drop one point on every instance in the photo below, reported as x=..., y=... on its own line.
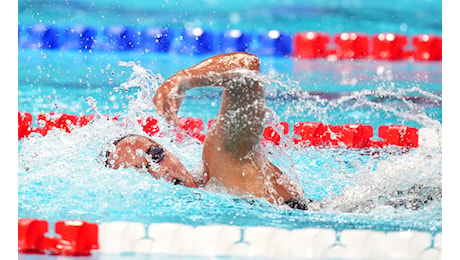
x=52, y=176
x=59, y=177
x=332, y=16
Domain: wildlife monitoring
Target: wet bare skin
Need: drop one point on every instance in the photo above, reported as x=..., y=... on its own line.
x=131, y=152
x=229, y=153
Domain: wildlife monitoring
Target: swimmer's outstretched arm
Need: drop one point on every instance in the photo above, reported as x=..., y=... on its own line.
x=210, y=72
x=242, y=109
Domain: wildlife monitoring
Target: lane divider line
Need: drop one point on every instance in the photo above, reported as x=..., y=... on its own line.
x=355, y=136
x=302, y=45
x=81, y=238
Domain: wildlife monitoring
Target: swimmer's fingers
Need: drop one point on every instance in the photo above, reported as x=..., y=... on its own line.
x=170, y=115
x=169, y=97
x=167, y=102
x=161, y=97
x=174, y=101
x=167, y=108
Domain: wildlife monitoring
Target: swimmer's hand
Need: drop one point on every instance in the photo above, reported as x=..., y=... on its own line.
x=169, y=97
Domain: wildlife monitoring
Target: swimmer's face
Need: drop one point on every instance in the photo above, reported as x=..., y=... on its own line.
x=143, y=153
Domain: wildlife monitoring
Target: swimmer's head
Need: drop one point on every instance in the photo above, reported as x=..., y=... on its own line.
x=145, y=154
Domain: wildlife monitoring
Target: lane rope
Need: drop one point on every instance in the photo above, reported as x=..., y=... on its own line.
x=302, y=45
x=81, y=238
x=352, y=135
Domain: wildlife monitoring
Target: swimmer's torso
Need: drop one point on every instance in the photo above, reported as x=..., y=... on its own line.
x=252, y=173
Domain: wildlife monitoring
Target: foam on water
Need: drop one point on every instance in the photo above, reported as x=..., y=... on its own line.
x=60, y=176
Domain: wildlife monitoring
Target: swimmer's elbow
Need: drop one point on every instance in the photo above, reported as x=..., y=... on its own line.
x=248, y=60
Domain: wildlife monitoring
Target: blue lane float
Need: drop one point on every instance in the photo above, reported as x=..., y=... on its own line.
x=273, y=43
x=42, y=36
x=152, y=39
x=79, y=37
x=121, y=38
x=157, y=39
x=196, y=41
x=233, y=40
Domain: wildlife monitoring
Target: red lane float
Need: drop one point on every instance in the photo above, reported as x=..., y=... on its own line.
x=31, y=233
x=318, y=134
x=149, y=125
x=353, y=45
x=349, y=135
x=55, y=120
x=77, y=238
x=65, y=121
x=389, y=46
x=272, y=135
x=310, y=45
x=305, y=133
x=24, y=123
x=427, y=47
x=192, y=126
x=310, y=133
x=49, y=121
x=399, y=135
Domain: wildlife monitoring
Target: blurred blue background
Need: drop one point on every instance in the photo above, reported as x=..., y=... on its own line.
x=370, y=16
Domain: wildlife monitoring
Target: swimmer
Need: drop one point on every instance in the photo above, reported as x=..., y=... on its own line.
x=229, y=153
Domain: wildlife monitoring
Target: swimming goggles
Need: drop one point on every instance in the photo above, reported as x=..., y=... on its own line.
x=156, y=154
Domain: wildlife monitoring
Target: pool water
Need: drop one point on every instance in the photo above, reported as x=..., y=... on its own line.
x=68, y=183
x=61, y=81
x=332, y=16
x=59, y=176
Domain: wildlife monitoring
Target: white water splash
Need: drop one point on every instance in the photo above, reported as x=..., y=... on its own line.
x=146, y=83
x=368, y=185
x=69, y=157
